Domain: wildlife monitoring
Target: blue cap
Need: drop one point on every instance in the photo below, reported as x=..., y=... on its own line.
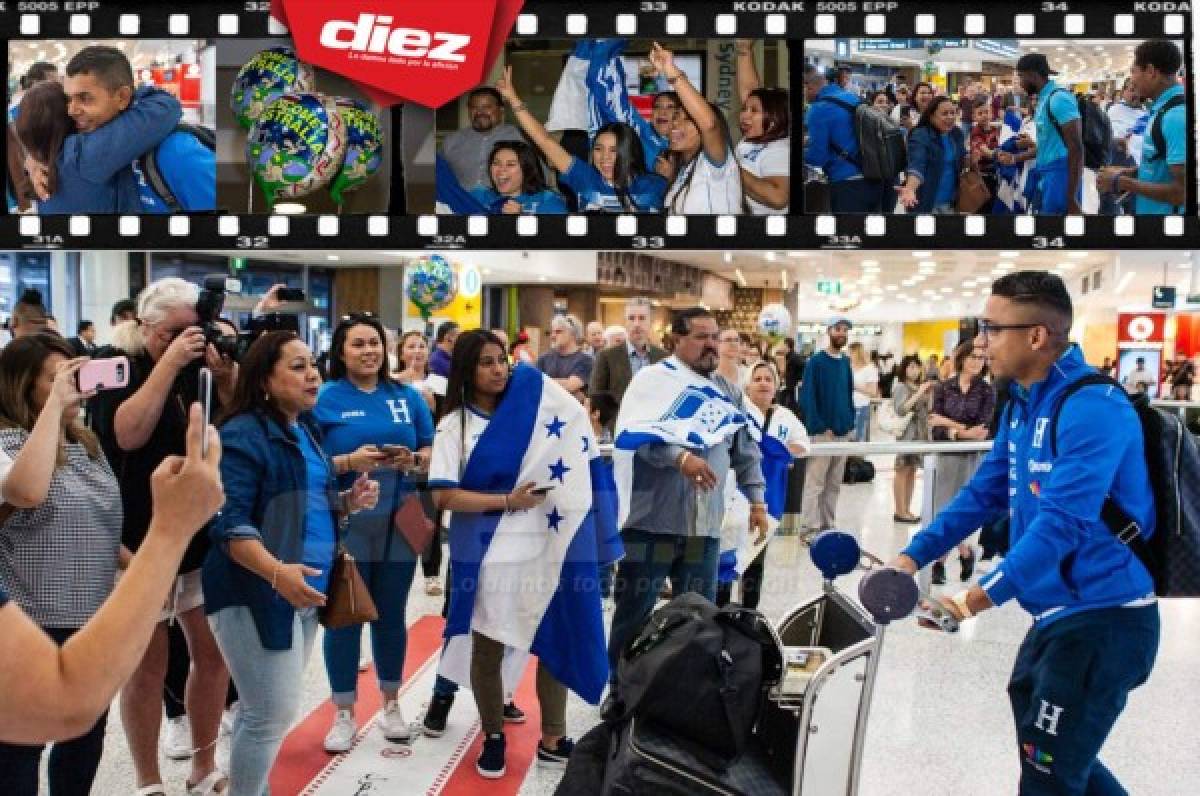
x=838, y=319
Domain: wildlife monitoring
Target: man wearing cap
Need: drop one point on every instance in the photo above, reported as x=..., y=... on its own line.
x=828, y=413
x=1056, y=184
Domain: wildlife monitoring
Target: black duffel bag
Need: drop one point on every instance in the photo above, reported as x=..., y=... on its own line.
x=699, y=673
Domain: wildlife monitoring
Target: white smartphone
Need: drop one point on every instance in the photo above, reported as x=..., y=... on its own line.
x=206, y=404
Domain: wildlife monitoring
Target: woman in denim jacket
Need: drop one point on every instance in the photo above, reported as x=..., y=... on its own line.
x=937, y=149
x=273, y=546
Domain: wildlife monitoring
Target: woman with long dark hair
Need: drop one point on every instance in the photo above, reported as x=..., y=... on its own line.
x=707, y=175
x=911, y=397
x=372, y=424
x=937, y=151
x=274, y=542
x=81, y=170
x=517, y=185
x=615, y=181
x=765, y=151
x=61, y=535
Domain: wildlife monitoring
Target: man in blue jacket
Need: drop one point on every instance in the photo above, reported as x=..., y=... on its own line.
x=832, y=145
x=100, y=87
x=1095, y=620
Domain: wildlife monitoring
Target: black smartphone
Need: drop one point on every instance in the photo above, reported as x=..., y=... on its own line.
x=290, y=294
x=541, y=491
x=206, y=403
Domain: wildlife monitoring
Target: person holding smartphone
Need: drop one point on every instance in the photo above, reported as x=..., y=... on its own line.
x=372, y=424
x=139, y=426
x=60, y=532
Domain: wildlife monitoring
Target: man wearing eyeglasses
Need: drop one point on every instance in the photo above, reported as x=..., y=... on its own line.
x=1095, y=620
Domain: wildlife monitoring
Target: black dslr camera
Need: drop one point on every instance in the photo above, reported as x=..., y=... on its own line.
x=208, y=309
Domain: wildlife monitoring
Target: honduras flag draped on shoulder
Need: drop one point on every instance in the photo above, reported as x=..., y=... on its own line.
x=530, y=579
x=668, y=404
x=452, y=197
x=1010, y=179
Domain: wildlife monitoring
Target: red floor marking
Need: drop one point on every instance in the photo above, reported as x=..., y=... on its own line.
x=521, y=748
x=303, y=754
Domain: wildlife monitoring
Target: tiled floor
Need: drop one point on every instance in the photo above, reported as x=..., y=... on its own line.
x=940, y=722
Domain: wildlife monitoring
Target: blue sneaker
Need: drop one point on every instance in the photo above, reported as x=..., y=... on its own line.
x=491, y=760
x=556, y=757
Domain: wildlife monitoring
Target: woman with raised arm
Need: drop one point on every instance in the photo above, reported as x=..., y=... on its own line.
x=615, y=181
x=765, y=151
x=707, y=176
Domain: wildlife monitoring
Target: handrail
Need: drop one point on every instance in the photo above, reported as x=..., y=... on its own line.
x=1171, y=404
x=877, y=448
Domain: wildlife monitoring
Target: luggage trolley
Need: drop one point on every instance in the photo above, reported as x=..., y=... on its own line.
x=815, y=720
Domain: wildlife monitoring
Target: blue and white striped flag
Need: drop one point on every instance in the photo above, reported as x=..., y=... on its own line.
x=530, y=579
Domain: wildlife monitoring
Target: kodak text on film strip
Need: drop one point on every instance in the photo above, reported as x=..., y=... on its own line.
x=279, y=182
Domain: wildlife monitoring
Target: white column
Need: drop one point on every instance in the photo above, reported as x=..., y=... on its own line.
x=103, y=280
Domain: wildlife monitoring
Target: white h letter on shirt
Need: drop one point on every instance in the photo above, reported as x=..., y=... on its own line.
x=400, y=411
x=1050, y=714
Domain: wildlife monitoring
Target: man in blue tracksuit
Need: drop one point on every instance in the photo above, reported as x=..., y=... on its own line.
x=832, y=145
x=1095, y=620
x=1056, y=183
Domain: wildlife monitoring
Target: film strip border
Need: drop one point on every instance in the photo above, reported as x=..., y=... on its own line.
x=330, y=232
x=793, y=19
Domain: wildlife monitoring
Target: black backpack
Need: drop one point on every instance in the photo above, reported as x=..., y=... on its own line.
x=1097, y=132
x=858, y=471
x=1172, y=554
x=699, y=673
x=882, y=148
x=149, y=164
x=1156, y=133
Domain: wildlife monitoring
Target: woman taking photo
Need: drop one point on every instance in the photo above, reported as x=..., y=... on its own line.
x=268, y=570
x=866, y=389
x=616, y=181
x=60, y=536
x=910, y=396
x=963, y=406
x=782, y=438
x=371, y=424
x=765, y=150
x=517, y=185
x=708, y=179
x=937, y=149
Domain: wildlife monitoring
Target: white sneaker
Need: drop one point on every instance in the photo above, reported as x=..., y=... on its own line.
x=341, y=734
x=228, y=717
x=176, y=741
x=392, y=723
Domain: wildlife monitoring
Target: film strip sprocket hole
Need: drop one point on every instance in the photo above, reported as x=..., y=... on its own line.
x=666, y=21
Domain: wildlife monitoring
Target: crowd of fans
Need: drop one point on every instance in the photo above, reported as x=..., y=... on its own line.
x=1033, y=147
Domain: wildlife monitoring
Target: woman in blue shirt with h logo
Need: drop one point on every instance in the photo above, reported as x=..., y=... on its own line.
x=372, y=424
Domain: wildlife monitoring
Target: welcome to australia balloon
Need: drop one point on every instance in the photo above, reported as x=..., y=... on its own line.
x=296, y=146
x=265, y=78
x=364, y=147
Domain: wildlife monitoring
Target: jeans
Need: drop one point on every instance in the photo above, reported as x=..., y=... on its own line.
x=270, y=683
x=859, y=196
x=388, y=583
x=650, y=558
x=72, y=765
x=1069, y=684
x=862, y=423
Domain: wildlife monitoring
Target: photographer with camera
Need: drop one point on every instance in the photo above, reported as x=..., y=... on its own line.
x=140, y=425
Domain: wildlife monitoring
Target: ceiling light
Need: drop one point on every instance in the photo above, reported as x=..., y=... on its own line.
x=998, y=272
x=947, y=289
x=728, y=257
x=741, y=278
x=541, y=279
x=870, y=263
x=909, y=282
x=1184, y=266
x=922, y=255
x=332, y=257
x=928, y=292
x=799, y=254
x=486, y=271
x=1066, y=266
x=968, y=294
x=892, y=288
x=769, y=257
x=1078, y=255
x=1005, y=266
x=783, y=276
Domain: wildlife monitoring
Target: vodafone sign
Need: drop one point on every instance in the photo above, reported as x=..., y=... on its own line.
x=421, y=52
x=1140, y=328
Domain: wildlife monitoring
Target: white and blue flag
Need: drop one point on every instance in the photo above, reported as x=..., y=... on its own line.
x=668, y=404
x=530, y=579
x=1011, y=179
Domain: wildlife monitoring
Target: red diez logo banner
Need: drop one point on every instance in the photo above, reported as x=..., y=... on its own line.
x=423, y=52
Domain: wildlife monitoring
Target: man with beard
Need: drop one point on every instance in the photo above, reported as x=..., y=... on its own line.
x=828, y=411
x=467, y=150
x=680, y=431
x=1058, y=178
x=1066, y=458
